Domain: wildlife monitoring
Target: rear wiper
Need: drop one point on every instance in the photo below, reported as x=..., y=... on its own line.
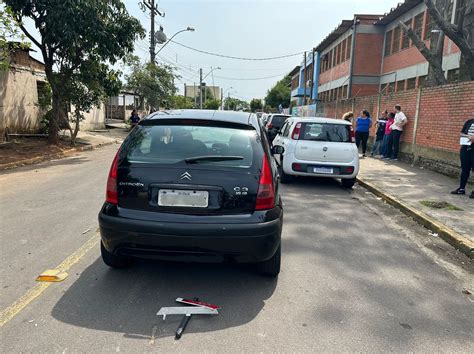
x=212, y=158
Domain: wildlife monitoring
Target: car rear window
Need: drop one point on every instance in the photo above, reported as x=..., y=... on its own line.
x=339, y=133
x=277, y=121
x=172, y=144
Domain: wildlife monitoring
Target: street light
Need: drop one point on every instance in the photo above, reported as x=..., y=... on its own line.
x=161, y=36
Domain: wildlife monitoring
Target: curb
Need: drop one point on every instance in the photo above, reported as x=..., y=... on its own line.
x=35, y=160
x=449, y=235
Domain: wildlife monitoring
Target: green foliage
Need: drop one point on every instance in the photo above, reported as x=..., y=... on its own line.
x=181, y=102
x=256, y=105
x=155, y=83
x=279, y=94
x=10, y=36
x=44, y=97
x=212, y=104
x=234, y=104
x=78, y=39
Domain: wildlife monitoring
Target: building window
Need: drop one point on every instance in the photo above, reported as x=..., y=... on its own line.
x=344, y=91
x=405, y=39
x=453, y=75
x=391, y=87
x=421, y=80
x=349, y=47
x=344, y=48
x=429, y=26
x=411, y=83
x=418, y=25
x=396, y=39
x=400, y=85
x=388, y=43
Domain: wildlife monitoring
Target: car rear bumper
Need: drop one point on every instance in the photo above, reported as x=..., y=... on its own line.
x=241, y=243
x=308, y=168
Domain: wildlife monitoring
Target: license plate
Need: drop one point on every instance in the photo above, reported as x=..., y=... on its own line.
x=183, y=198
x=325, y=170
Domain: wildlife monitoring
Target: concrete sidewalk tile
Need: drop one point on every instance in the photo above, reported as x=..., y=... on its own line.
x=405, y=186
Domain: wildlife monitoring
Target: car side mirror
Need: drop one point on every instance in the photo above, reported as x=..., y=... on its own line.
x=278, y=150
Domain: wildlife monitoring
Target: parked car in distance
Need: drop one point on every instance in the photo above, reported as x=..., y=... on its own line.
x=194, y=185
x=274, y=123
x=317, y=147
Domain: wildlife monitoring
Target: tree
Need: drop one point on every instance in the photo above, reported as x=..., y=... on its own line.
x=9, y=30
x=84, y=97
x=181, y=102
x=212, y=104
x=256, y=105
x=279, y=94
x=234, y=104
x=461, y=32
x=153, y=82
x=74, y=36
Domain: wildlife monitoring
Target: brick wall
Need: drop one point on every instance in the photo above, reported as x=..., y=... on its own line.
x=364, y=89
x=368, y=54
x=442, y=113
x=334, y=73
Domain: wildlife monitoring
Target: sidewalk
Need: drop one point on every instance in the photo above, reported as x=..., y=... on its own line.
x=406, y=186
x=30, y=151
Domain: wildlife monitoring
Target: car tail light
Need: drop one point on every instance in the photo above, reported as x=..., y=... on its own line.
x=296, y=167
x=266, y=192
x=349, y=169
x=296, y=132
x=352, y=134
x=111, y=193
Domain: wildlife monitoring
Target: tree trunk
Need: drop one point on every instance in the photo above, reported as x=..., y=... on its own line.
x=77, y=116
x=435, y=70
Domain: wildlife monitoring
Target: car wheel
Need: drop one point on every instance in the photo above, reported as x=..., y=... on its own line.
x=113, y=260
x=348, y=183
x=272, y=266
x=284, y=178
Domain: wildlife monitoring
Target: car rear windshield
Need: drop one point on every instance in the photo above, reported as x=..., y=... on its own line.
x=277, y=121
x=181, y=144
x=339, y=133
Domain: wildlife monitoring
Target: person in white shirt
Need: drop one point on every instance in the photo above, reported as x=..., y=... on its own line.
x=467, y=157
x=397, y=129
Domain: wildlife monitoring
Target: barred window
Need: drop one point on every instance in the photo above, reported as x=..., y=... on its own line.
x=388, y=43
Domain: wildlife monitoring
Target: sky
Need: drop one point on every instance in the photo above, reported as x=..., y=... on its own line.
x=245, y=28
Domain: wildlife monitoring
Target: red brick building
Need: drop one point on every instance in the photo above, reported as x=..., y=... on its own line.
x=371, y=54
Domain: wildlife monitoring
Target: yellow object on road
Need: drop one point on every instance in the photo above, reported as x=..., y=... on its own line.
x=52, y=275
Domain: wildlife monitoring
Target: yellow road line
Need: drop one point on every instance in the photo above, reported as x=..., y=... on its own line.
x=12, y=310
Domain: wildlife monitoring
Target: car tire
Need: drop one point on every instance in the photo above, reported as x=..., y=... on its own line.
x=348, y=183
x=284, y=178
x=113, y=260
x=271, y=267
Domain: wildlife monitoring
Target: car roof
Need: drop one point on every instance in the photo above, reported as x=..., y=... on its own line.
x=244, y=118
x=320, y=120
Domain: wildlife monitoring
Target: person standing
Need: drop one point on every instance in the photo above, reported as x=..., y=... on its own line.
x=348, y=116
x=466, y=155
x=387, y=143
x=379, y=135
x=363, y=125
x=397, y=130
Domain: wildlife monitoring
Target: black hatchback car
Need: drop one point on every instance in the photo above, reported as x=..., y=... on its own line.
x=194, y=185
x=273, y=124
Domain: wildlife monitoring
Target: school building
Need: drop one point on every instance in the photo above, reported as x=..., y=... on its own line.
x=371, y=54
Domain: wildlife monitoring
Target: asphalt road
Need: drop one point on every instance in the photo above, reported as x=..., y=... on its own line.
x=356, y=276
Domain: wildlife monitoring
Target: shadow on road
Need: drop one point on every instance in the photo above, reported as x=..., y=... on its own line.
x=127, y=300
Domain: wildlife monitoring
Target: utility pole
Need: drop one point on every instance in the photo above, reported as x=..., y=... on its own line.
x=200, y=88
x=222, y=98
x=149, y=5
x=304, y=80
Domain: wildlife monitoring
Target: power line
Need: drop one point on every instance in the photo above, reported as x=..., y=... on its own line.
x=249, y=79
x=238, y=58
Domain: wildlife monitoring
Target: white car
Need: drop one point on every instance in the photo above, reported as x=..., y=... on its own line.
x=322, y=147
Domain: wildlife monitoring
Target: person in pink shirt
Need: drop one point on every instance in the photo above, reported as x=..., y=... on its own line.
x=387, y=138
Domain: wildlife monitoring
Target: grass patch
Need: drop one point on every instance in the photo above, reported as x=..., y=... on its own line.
x=442, y=205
